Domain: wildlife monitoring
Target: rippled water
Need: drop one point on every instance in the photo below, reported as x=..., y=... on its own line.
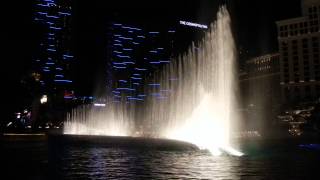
x=73, y=162
x=106, y=163
x=100, y=163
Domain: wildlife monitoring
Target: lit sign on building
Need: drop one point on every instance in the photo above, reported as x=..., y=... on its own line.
x=186, y=23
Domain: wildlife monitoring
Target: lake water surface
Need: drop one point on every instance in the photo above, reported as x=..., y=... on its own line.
x=276, y=160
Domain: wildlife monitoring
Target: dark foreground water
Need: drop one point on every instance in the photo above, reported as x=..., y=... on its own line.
x=271, y=160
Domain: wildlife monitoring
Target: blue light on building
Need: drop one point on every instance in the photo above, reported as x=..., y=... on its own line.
x=134, y=54
x=63, y=81
x=54, y=19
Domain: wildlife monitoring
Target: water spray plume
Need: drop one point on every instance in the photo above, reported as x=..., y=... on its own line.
x=202, y=103
x=197, y=106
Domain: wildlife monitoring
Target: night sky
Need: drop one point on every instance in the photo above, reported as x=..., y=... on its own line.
x=253, y=24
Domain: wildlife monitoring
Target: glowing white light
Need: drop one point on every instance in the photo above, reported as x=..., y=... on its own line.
x=205, y=128
x=193, y=24
x=110, y=121
x=9, y=124
x=99, y=104
x=44, y=99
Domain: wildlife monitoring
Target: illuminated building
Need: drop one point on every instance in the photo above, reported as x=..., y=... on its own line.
x=260, y=82
x=52, y=59
x=136, y=53
x=299, y=46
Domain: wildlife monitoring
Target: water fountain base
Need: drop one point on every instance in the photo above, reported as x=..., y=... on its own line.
x=119, y=142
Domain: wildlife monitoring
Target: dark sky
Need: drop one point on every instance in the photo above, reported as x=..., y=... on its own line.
x=17, y=44
x=253, y=24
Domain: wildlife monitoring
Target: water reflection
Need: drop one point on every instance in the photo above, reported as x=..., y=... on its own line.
x=274, y=160
x=102, y=163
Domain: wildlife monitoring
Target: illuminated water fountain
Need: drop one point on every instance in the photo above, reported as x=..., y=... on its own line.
x=100, y=119
x=196, y=99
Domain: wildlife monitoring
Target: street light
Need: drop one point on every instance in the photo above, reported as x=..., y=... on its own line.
x=44, y=99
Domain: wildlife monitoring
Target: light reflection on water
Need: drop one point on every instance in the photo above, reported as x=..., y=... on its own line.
x=102, y=163
x=270, y=160
x=273, y=162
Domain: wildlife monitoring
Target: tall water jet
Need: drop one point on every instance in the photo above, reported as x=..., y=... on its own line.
x=197, y=94
x=100, y=119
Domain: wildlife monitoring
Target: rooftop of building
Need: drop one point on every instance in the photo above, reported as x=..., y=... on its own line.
x=263, y=57
x=305, y=4
x=292, y=21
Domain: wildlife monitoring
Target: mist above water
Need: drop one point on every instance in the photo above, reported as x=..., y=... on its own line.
x=110, y=120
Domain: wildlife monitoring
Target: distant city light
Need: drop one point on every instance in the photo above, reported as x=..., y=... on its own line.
x=56, y=28
x=99, y=104
x=63, y=80
x=154, y=62
x=128, y=62
x=154, y=84
x=64, y=13
x=44, y=99
x=18, y=115
x=136, y=78
x=51, y=50
x=68, y=56
x=10, y=123
x=117, y=67
x=140, y=69
x=165, y=61
x=132, y=98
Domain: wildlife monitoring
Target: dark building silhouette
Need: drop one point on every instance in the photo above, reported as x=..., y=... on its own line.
x=299, y=47
x=50, y=81
x=53, y=56
x=260, y=81
x=260, y=90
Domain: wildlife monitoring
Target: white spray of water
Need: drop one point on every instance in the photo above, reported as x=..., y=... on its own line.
x=197, y=95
